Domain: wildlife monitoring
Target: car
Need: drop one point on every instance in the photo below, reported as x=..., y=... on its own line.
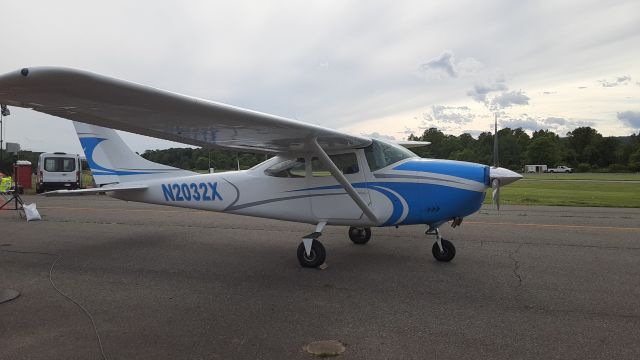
x=560, y=169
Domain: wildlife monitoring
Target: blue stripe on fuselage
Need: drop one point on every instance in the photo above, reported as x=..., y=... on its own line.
x=428, y=203
x=465, y=170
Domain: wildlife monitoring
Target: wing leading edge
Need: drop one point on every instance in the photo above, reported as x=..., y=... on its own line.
x=108, y=102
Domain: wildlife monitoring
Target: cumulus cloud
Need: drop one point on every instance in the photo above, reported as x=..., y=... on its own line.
x=447, y=64
x=480, y=91
x=444, y=63
x=616, y=81
x=451, y=114
x=377, y=135
x=509, y=98
x=527, y=123
x=555, y=121
x=556, y=124
x=630, y=118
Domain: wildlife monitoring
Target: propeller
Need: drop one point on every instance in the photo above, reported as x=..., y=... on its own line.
x=495, y=196
x=495, y=182
x=499, y=176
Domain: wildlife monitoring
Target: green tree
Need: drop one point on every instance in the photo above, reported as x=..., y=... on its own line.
x=543, y=150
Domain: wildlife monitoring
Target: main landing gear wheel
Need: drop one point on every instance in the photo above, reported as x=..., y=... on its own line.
x=448, y=250
x=316, y=256
x=359, y=235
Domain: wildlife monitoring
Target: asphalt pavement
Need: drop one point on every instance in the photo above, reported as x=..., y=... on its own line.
x=170, y=283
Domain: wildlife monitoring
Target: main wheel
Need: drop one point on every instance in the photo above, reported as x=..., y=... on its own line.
x=359, y=235
x=316, y=255
x=448, y=250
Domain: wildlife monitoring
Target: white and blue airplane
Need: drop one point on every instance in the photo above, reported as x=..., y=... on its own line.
x=317, y=175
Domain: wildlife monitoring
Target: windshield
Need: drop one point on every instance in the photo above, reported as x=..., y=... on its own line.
x=380, y=154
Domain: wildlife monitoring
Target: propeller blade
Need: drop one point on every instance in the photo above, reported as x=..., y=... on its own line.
x=495, y=144
x=495, y=196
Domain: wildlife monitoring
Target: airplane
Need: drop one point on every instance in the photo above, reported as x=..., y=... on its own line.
x=316, y=175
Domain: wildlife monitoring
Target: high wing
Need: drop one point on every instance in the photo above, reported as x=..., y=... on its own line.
x=108, y=102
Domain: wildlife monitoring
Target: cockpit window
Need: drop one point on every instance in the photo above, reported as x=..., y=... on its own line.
x=291, y=168
x=380, y=154
x=347, y=163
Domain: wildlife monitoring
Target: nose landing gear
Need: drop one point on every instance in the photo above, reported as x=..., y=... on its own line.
x=442, y=249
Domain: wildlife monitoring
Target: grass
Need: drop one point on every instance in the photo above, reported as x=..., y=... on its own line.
x=585, y=176
x=587, y=189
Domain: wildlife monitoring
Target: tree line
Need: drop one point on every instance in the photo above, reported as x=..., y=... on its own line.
x=583, y=149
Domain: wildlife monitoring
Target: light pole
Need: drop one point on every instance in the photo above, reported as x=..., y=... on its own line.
x=4, y=111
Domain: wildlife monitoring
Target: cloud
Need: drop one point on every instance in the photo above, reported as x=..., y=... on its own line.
x=377, y=135
x=616, y=81
x=555, y=121
x=446, y=63
x=549, y=92
x=479, y=92
x=630, y=118
x=557, y=124
x=451, y=114
x=527, y=123
x=509, y=98
x=442, y=63
x=582, y=87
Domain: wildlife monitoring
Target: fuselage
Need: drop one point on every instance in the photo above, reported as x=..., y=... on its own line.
x=398, y=186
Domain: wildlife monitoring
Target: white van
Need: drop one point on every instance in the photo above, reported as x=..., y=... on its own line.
x=59, y=171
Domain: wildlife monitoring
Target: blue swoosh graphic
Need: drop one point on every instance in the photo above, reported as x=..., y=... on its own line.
x=427, y=203
x=89, y=145
x=465, y=170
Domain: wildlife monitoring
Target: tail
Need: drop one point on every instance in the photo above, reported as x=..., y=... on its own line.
x=112, y=161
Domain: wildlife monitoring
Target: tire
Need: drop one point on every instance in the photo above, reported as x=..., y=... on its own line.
x=316, y=257
x=448, y=251
x=360, y=235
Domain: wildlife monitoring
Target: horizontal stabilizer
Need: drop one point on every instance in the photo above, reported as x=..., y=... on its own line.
x=127, y=187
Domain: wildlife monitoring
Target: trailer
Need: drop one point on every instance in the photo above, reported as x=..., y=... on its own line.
x=535, y=168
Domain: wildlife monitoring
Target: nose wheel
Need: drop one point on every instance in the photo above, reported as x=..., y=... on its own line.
x=447, y=253
x=442, y=250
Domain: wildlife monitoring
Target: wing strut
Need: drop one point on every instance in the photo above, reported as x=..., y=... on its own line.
x=338, y=175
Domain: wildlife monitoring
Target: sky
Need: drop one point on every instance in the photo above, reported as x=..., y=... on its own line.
x=378, y=68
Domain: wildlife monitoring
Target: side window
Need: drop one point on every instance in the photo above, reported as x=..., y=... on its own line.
x=347, y=163
x=292, y=168
x=50, y=164
x=68, y=164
